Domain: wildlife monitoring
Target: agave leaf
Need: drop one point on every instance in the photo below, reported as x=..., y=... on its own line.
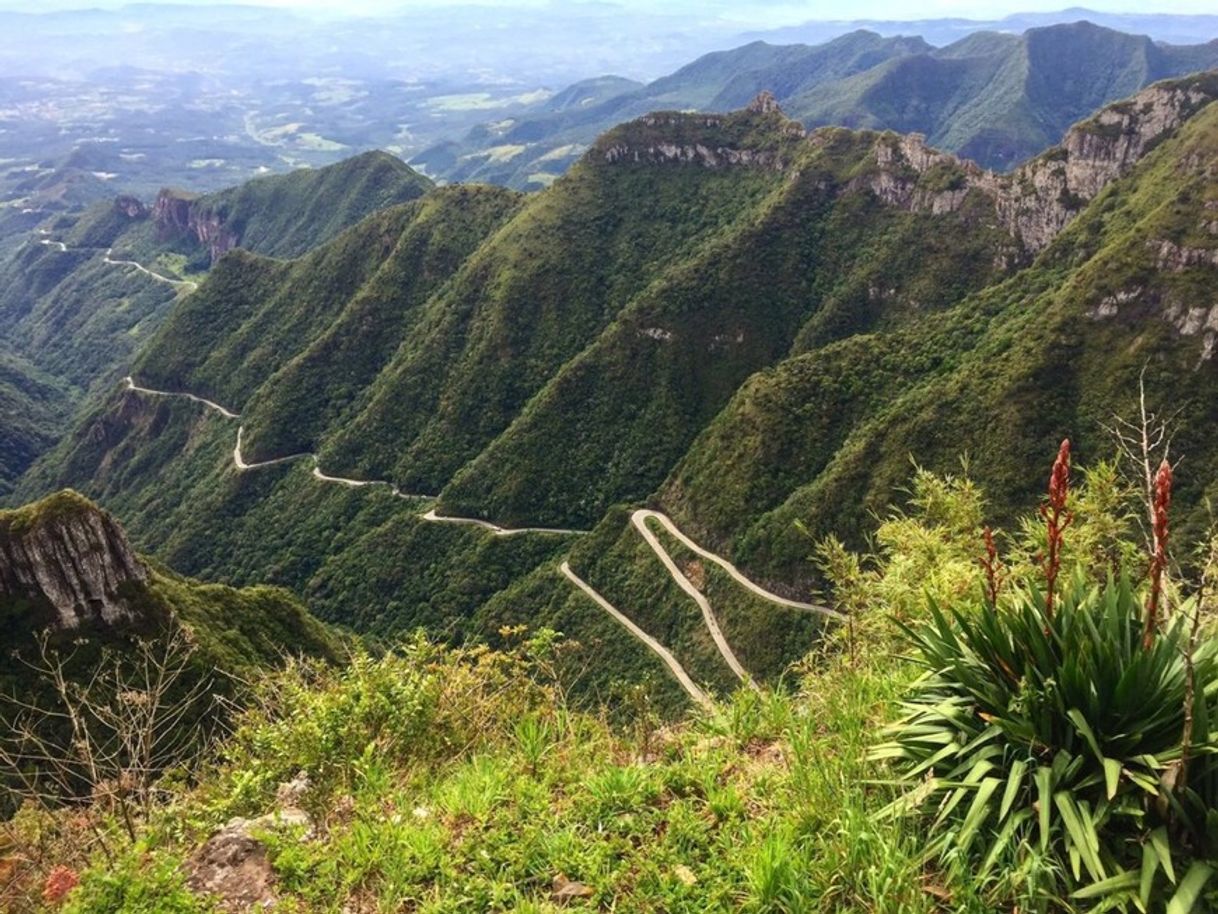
x=931, y=762
x=886, y=751
x=1014, y=781
x=977, y=813
x=953, y=800
x=1082, y=835
x=1084, y=729
x=1147, y=782
x=1190, y=888
x=1112, y=776
x=1150, y=866
x=1003, y=840
x=1124, y=880
x=1044, y=787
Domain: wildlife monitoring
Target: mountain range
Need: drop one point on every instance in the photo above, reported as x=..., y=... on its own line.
x=994, y=97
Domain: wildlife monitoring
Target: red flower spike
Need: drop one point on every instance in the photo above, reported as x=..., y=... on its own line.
x=1158, y=560
x=991, y=564
x=1057, y=519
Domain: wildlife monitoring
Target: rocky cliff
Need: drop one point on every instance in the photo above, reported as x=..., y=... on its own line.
x=1039, y=199
x=68, y=563
x=176, y=214
x=1033, y=203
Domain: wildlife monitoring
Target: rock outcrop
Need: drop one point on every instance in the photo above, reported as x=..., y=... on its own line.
x=1033, y=203
x=233, y=868
x=176, y=214
x=1039, y=199
x=677, y=138
x=131, y=207
x=69, y=562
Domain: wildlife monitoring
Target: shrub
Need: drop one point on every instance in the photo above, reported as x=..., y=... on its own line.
x=1059, y=744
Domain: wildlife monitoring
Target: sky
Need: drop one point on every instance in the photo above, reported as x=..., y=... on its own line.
x=772, y=12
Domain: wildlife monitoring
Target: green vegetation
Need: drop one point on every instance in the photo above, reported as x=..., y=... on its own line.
x=744, y=346
x=35, y=407
x=287, y=215
x=446, y=779
x=78, y=321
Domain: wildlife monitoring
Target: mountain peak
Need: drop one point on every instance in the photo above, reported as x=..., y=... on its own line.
x=764, y=103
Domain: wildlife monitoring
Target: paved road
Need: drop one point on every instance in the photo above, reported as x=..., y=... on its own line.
x=662, y=652
x=243, y=465
x=185, y=283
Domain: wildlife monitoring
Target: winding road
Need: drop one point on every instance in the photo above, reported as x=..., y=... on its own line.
x=244, y=465
x=639, y=519
x=662, y=652
x=183, y=283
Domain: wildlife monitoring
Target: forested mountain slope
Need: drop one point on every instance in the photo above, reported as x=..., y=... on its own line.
x=740, y=323
x=79, y=297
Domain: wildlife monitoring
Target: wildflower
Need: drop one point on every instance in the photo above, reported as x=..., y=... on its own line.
x=1057, y=519
x=60, y=881
x=1158, y=559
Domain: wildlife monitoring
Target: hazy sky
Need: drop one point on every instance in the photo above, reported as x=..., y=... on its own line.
x=756, y=11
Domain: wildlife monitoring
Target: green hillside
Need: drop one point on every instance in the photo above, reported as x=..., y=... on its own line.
x=36, y=408
x=286, y=215
x=720, y=316
x=78, y=300
x=997, y=99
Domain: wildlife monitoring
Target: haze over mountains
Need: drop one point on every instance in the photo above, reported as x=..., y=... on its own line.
x=98, y=102
x=996, y=98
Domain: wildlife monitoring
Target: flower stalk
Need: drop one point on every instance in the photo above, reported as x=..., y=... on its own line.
x=1160, y=529
x=1057, y=518
x=991, y=564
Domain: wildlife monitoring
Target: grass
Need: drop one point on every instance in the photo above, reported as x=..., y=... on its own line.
x=455, y=782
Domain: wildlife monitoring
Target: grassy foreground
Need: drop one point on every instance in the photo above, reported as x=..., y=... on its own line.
x=443, y=780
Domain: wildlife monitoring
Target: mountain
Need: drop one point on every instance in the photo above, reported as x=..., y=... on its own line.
x=531, y=149
x=286, y=215
x=78, y=299
x=995, y=97
x=998, y=99
x=720, y=316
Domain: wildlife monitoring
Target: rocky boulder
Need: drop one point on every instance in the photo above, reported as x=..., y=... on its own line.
x=68, y=562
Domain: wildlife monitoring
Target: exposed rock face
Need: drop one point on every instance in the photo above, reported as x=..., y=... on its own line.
x=177, y=214
x=764, y=103
x=902, y=163
x=131, y=207
x=693, y=154
x=1033, y=204
x=67, y=555
x=1039, y=199
x=685, y=139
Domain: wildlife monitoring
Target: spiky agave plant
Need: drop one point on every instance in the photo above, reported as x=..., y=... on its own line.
x=1045, y=747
